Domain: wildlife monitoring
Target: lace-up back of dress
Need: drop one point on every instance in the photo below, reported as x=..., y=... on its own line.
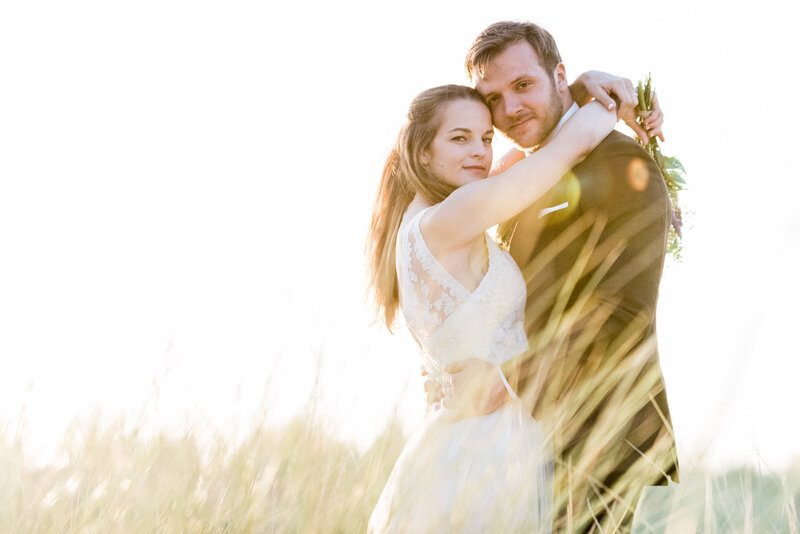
x=449, y=321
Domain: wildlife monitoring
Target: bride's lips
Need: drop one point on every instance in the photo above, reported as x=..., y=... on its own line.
x=476, y=168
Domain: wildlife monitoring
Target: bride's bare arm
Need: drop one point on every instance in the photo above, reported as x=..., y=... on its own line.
x=474, y=207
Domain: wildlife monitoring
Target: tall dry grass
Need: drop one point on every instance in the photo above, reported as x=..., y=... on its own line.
x=587, y=386
x=115, y=478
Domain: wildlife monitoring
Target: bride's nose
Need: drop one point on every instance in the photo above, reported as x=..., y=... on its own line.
x=479, y=149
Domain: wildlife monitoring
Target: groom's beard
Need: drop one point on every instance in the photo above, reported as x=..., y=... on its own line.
x=548, y=120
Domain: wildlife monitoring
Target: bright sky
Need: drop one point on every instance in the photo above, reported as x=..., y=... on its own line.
x=185, y=189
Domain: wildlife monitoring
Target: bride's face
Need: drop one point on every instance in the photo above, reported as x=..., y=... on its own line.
x=461, y=151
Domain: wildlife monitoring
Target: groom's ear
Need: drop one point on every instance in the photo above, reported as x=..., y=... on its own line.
x=560, y=78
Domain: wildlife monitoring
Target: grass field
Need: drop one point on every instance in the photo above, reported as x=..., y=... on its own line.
x=114, y=478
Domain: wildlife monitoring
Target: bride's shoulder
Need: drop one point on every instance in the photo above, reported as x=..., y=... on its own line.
x=414, y=211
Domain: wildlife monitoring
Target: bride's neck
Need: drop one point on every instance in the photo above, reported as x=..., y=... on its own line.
x=418, y=202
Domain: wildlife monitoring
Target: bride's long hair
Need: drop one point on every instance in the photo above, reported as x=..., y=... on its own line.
x=404, y=175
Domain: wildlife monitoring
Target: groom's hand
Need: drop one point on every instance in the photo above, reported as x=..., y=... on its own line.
x=433, y=391
x=473, y=387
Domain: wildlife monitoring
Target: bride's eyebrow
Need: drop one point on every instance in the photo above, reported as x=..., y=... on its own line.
x=490, y=131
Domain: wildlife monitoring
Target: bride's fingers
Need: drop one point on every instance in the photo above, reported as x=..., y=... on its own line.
x=654, y=127
x=656, y=132
x=638, y=130
x=655, y=118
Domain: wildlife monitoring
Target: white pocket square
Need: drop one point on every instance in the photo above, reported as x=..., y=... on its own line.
x=551, y=209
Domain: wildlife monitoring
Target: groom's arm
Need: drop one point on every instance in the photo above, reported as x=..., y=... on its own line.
x=631, y=194
x=474, y=387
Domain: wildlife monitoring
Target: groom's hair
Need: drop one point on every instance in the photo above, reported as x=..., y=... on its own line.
x=497, y=37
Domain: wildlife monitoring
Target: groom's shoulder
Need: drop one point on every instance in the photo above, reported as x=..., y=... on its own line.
x=620, y=168
x=614, y=153
x=618, y=144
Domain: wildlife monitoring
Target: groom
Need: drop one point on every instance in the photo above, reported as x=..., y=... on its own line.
x=592, y=252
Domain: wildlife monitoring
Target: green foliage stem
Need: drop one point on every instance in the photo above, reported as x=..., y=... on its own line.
x=671, y=168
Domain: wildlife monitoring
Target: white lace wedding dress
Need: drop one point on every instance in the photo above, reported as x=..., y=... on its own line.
x=482, y=474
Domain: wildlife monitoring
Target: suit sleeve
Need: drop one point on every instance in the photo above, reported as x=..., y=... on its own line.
x=632, y=197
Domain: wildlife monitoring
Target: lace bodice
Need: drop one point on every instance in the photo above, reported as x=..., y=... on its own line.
x=449, y=322
x=475, y=474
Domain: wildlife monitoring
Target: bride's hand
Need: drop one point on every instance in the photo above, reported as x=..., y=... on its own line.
x=611, y=91
x=654, y=122
x=473, y=387
x=615, y=92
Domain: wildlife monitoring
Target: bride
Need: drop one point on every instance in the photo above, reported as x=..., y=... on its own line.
x=463, y=297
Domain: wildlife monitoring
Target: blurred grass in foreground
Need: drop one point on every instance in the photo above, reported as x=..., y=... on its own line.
x=113, y=478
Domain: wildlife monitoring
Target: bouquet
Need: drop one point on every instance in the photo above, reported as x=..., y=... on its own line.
x=671, y=168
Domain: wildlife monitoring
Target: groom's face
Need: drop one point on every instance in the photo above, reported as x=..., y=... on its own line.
x=522, y=96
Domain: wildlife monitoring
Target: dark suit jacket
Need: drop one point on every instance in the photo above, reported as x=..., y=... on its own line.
x=592, y=253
